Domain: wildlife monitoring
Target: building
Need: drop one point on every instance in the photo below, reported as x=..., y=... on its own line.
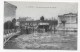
x=38, y=24
x=70, y=20
x=9, y=11
x=21, y=19
x=24, y=19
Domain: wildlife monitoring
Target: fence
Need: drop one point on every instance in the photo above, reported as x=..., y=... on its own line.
x=7, y=31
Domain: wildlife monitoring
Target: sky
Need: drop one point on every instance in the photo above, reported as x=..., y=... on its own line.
x=47, y=9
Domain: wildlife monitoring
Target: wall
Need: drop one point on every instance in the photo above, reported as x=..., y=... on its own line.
x=70, y=18
x=9, y=11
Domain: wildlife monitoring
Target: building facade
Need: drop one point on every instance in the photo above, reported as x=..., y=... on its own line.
x=9, y=11
x=70, y=20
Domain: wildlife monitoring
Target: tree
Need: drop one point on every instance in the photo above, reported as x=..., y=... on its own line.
x=8, y=25
x=76, y=20
x=42, y=18
x=63, y=22
x=14, y=22
x=55, y=23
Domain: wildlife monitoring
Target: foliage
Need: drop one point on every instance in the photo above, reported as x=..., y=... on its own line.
x=63, y=22
x=13, y=20
x=55, y=23
x=9, y=24
x=42, y=18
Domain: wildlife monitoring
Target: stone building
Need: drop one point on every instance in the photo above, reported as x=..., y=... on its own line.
x=71, y=20
x=9, y=11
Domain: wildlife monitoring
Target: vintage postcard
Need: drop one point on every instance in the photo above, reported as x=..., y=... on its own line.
x=40, y=25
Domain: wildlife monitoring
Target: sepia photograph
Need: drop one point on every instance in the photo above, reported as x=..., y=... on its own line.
x=40, y=25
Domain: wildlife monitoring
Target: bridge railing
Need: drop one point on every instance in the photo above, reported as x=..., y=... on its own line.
x=7, y=31
x=10, y=35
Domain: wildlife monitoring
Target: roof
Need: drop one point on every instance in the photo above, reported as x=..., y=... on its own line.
x=69, y=14
x=5, y=2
